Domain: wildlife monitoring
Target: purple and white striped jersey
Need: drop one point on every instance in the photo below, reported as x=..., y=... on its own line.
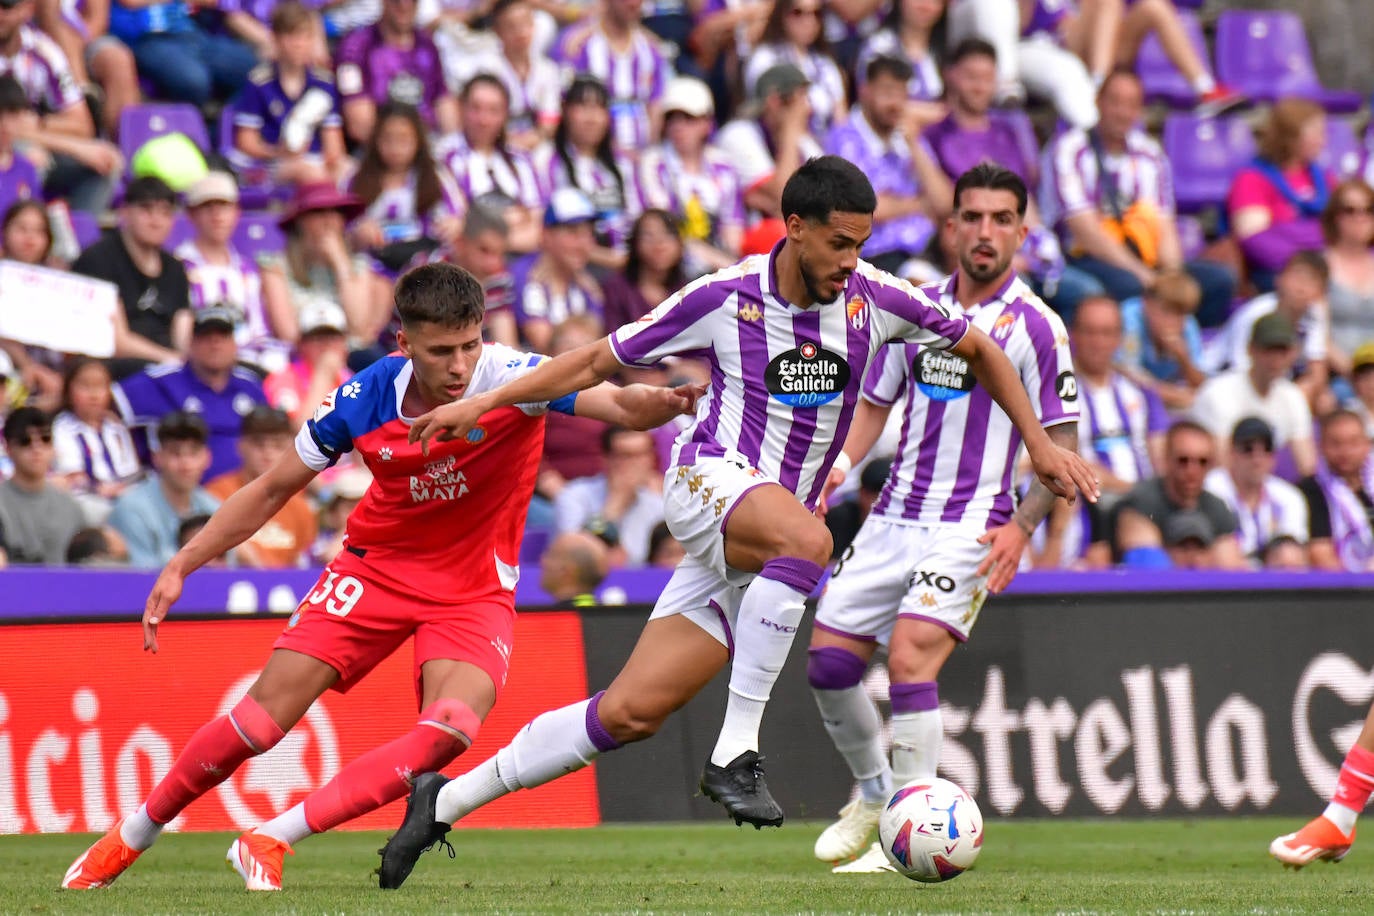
x=1116, y=424
x=925, y=84
x=784, y=380
x=957, y=450
x=509, y=172
x=1071, y=184
x=634, y=78
x=707, y=201
x=43, y=70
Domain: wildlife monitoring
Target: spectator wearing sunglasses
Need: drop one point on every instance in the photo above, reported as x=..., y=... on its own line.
x=1172, y=515
x=38, y=520
x=1266, y=507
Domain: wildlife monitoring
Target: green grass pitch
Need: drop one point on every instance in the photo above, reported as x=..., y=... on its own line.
x=1051, y=866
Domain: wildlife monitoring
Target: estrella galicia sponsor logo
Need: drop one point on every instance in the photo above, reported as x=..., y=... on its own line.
x=942, y=376
x=808, y=376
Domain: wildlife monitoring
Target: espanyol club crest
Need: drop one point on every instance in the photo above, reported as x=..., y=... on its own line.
x=857, y=311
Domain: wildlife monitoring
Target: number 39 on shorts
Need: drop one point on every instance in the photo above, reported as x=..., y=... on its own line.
x=339, y=595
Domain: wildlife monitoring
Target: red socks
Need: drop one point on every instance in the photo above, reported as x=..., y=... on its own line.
x=1356, y=779
x=212, y=754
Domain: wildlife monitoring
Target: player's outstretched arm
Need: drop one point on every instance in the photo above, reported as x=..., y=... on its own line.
x=572, y=371
x=1009, y=541
x=864, y=430
x=233, y=523
x=637, y=406
x=1064, y=472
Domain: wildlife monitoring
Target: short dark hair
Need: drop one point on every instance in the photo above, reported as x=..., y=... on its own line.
x=442, y=294
x=993, y=177
x=266, y=421
x=484, y=78
x=887, y=65
x=1314, y=261
x=1328, y=421
x=12, y=95
x=483, y=217
x=824, y=185
x=1185, y=426
x=149, y=190
x=971, y=47
x=190, y=527
x=23, y=419
x=86, y=545
x=182, y=426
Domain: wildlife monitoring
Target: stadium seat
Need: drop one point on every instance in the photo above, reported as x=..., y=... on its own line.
x=1205, y=153
x=1266, y=56
x=86, y=226
x=1025, y=137
x=256, y=190
x=1344, y=151
x=258, y=233
x=1161, y=79
x=1191, y=237
x=181, y=231
x=140, y=123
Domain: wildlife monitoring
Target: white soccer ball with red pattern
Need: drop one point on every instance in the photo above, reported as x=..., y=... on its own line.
x=931, y=830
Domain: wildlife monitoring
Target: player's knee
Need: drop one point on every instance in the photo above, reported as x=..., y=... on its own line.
x=452, y=718
x=833, y=668
x=797, y=572
x=811, y=543
x=256, y=725
x=628, y=721
x=919, y=658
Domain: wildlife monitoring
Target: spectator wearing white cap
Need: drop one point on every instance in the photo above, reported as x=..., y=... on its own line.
x=219, y=274
x=693, y=179
x=320, y=365
x=558, y=285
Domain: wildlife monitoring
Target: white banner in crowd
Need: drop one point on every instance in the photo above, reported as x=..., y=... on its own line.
x=58, y=310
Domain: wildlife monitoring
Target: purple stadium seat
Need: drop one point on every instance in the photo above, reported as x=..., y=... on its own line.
x=1344, y=151
x=181, y=231
x=1191, y=237
x=1205, y=153
x=1025, y=137
x=140, y=123
x=86, y=226
x=258, y=233
x=1162, y=80
x=1266, y=56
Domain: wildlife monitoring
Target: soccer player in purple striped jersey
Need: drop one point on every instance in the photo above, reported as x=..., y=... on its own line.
x=945, y=530
x=788, y=335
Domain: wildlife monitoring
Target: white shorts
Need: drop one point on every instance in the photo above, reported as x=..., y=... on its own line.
x=697, y=502
x=923, y=572
x=703, y=597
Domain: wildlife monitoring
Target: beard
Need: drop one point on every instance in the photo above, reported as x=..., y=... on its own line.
x=984, y=272
x=811, y=282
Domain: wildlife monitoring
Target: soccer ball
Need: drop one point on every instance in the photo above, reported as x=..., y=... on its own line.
x=931, y=830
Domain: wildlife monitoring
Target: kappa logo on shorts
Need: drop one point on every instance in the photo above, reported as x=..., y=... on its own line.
x=928, y=600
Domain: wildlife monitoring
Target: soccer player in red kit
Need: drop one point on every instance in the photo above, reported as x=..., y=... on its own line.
x=413, y=564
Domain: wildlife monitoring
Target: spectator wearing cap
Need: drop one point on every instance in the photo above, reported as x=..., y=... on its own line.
x=487, y=168
x=1168, y=510
x=149, y=514
x=57, y=127
x=18, y=177
x=219, y=275
x=480, y=249
x=846, y=517
x=210, y=383
x=623, y=503
x=392, y=61
x=185, y=60
x=1108, y=191
x=37, y=519
x=320, y=366
x=585, y=158
x=914, y=196
x=793, y=34
x=768, y=141
x=558, y=285
x=1340, y=496
x=94, y=452
x=1161, y=341
x=533, y=81
x=287, y=121
x=1266, y=507
x=1263, y=390
x=693, y=179
x=572, y=567
x=1361, y=400
x=1300, y=296
x=284, y=542
x=154, y=321
x=316, y=264
x=615, y=48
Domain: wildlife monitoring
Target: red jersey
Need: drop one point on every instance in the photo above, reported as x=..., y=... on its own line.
x=448, y=525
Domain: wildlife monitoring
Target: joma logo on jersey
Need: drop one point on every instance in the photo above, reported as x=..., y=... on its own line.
x=750, y=312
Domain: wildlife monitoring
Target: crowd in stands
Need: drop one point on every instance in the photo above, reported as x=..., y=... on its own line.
x=252, y=177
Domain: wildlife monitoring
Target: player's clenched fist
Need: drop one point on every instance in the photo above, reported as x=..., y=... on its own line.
x=166, y=590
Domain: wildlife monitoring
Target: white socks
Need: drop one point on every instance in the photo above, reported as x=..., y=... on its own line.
x=854, y=725
x=916, y=741
x=769, y=615
x=1204, y=84
x=289, y=826
x=553, y=745
x=138, y=830
x=1341, y=816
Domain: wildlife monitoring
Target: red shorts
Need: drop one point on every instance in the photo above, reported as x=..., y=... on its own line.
x=352, y=621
